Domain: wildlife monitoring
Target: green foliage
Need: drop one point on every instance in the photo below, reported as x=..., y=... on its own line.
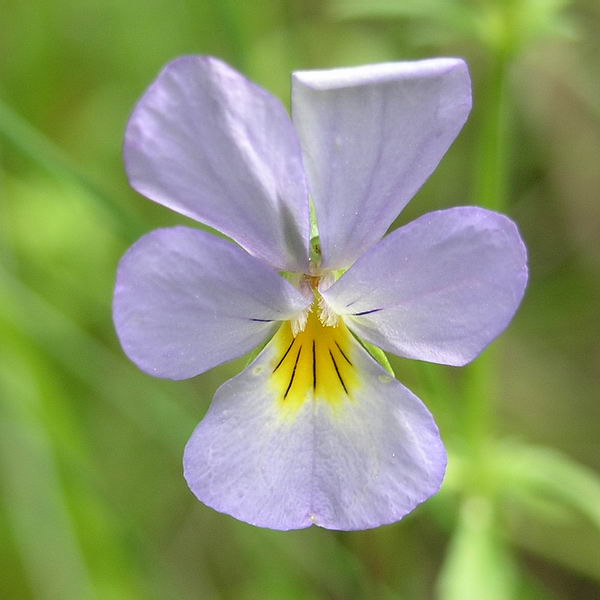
x=503, y=25
x=536, y=475
x=93, y=504
x=478, y=565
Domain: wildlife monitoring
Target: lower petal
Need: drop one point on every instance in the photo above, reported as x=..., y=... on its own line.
x=315, y=432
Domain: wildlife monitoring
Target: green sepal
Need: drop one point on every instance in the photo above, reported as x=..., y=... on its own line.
x=379, y=355
x=338, y=273
x=314, y=229
x=293, y=278
x=315, y=251
x=253, y=355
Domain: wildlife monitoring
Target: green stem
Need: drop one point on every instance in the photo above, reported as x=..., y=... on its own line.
x=478, y=420
x=492, y=166
x=490, y=189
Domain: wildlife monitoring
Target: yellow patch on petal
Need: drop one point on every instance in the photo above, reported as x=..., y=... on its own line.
x=315, y=364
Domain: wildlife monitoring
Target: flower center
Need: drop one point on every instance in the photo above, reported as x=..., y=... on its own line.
x=310, y=285
x=316, y=362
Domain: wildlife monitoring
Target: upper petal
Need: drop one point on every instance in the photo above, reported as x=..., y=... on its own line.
x=371, y=136
x=439, y=289
x=208, y=143
x=186, y=301
x=318, y=433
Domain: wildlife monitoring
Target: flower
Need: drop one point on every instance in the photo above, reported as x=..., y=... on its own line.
x=314, y=430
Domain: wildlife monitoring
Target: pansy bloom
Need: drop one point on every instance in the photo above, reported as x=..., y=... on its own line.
x=314, y=430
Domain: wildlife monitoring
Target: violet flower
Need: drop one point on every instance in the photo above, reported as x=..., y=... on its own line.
x=314, y=431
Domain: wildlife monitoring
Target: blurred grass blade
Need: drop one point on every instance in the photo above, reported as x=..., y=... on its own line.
x=33, y=495
x=478, y=563
x=448, y=13
x=44, y=153
x=383, y=9
x=89, y=360
x=551, y=476
x=495, y=24
x=386, y=9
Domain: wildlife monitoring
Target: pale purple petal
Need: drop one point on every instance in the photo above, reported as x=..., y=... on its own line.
x=439, y=289
x=360, y=463
x=208, y=143
x=186, y=301
x=371, y=136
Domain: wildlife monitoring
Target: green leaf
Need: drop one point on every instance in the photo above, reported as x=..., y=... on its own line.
x=546, y=475
x=550, y=502
x=479, y=565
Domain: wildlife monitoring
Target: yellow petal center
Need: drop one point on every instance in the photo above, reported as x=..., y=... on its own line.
x=316, y=364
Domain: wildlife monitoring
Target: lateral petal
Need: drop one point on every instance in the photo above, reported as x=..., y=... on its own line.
x=294, y=441
x=210, y=144
x=371, y=136
x=439, y=289
x=186, y=301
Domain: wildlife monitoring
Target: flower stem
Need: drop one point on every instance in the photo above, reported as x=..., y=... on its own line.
x=490, y=191
x=491, y=176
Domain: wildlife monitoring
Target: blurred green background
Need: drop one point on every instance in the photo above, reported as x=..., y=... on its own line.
x=92, y=501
